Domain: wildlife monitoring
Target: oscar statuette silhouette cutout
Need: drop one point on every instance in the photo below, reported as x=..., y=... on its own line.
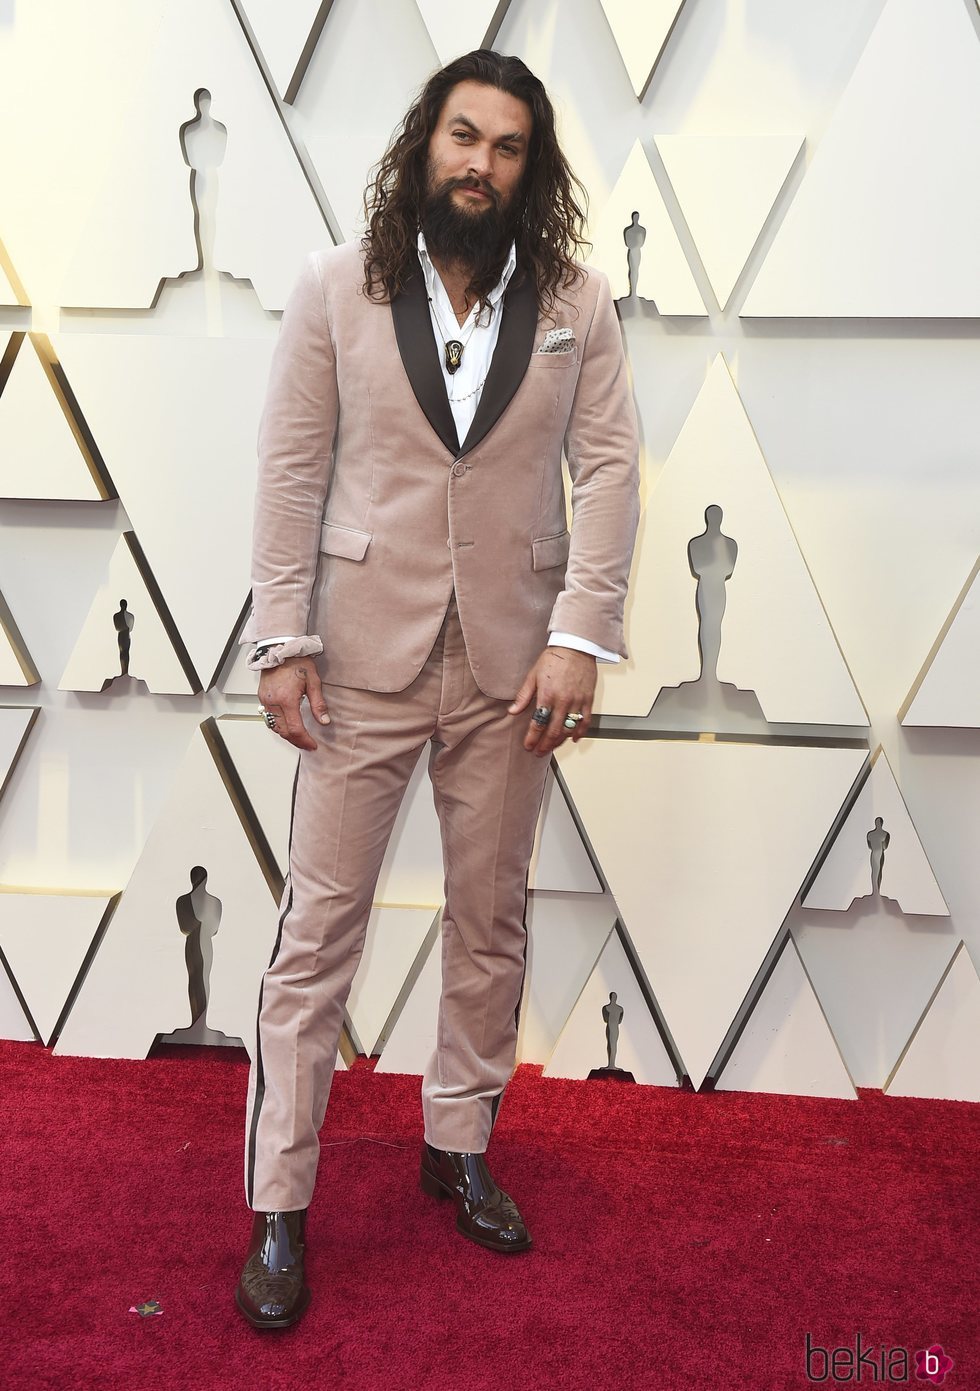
x=878, y=839
x=123, y=622
x=634, y=235
x=711, y=558
x=198, y=917
x=612, y=1013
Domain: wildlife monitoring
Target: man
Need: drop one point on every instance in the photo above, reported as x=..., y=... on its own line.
x=414, y=582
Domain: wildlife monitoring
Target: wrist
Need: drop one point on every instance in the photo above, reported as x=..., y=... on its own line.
x=556, y=647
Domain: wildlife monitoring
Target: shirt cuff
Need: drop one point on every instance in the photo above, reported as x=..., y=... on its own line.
x=601, y=654
x=272, y=652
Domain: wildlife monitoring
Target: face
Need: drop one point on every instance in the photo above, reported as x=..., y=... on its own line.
x=478, y=150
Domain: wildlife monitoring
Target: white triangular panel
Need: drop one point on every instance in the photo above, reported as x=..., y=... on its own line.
x=873, y=972
x=95, y=658
x=559, y=860
x=8, y=295
x=641, y=31
x=455, y=29
x=238, y=679
x=176, y=421
x=12, y=671
x=15, y=725
x=581, y=1046
x=787, y=1047
x=241, y=681
x=664, y=275
x=726, y=186
x=906, y=875
x=942, y=1058
x=412, y=1040
x=281, y=32
x=16, y=666
x=947, y=692
x=887, y=220
x=392, y=942
x=45, y=937
x=566, y=932
x=704, y=846
x=39, y=454
x=776, y=639
x=14, y=1023
x=140, y=218
x=137, y=984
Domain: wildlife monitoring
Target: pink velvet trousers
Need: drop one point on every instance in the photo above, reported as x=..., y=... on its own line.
x=488, y=791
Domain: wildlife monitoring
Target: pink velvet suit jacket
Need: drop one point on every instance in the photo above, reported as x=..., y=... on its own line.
x=369, y=510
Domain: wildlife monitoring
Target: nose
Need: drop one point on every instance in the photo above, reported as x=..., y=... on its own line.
x=481, y=164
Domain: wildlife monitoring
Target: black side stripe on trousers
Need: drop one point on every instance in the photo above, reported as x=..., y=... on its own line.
x=495, y=1101
x=259, y=1068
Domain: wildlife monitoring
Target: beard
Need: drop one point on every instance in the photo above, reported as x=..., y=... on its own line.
x=478, y=240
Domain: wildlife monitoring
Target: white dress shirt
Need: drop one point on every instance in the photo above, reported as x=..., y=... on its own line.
x=478, y=333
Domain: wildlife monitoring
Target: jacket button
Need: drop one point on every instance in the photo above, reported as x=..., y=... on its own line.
x=458, y=470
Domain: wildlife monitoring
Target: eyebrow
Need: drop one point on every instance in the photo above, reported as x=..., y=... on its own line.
x=515, y=137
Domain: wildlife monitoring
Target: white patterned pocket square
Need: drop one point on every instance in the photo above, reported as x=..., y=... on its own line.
x=558, y=340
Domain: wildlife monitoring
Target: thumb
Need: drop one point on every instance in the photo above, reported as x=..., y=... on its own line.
x=523, y=697
x=314, y=694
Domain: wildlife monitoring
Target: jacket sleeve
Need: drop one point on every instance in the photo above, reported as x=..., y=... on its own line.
x=296, y=437
x=602, y=449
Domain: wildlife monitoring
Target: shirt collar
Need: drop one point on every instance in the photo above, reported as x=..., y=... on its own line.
x=430, y=272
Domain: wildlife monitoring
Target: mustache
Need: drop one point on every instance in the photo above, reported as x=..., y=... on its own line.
x=448, y=185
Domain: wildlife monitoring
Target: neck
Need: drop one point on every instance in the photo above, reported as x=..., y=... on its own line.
x=456, y=276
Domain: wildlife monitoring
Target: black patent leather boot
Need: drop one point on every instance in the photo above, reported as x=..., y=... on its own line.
x=484, y=1212
x=271, y=1291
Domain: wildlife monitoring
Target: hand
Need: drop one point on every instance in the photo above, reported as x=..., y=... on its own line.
x=281, y=691
x=563, y=679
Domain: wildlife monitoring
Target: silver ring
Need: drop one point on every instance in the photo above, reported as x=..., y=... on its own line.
x=268, y=716
x=572, y=719
x=542, y=715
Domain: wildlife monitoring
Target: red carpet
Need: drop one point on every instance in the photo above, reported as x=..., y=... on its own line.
x=681, y=1240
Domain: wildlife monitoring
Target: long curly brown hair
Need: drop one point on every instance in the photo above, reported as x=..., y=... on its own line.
x=550, y=219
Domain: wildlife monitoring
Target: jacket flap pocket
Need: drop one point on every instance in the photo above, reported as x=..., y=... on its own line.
x=550, y=550
x=344, y=540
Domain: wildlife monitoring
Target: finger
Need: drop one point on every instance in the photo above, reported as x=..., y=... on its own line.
x=290, y=726
x=529, y=694
x=318, y=705
x=583, y=725
x=541, y=699
x=523, y=696
x=533, y=735
x=535, y=731
x=556, y=733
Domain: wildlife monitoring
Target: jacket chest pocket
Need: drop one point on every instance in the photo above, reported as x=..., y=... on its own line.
x=553, y=361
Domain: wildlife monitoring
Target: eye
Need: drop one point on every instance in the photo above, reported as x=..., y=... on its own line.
x=462, y=135
x=508, y=149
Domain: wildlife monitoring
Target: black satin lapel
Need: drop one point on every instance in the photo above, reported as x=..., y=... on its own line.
x=510, y=359
x=420, y=357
